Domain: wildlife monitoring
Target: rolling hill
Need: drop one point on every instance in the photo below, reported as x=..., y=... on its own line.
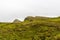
x=32, y=28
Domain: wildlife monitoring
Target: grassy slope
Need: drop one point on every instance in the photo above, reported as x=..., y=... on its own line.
x=32, y=28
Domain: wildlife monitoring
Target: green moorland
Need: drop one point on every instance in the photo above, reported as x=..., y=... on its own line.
x=32, y=28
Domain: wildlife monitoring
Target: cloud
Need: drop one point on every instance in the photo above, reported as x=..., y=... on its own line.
x=11, y=9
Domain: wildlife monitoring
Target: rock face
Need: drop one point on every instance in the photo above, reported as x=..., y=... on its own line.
x=16, y=21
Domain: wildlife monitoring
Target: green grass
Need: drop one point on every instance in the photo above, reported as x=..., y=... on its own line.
x=32, y=28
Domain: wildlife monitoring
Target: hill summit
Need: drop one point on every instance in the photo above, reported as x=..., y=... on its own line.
x=16, y=21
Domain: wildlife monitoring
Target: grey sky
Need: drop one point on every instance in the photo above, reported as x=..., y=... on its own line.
x=12, y=9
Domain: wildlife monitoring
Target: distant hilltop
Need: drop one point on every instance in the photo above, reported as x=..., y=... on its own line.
x=32, y=18
x=16, y=21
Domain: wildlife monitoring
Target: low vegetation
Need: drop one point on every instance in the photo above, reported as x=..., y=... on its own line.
x=32, y=28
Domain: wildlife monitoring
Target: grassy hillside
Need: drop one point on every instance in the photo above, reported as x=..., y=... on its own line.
x=32, y=28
